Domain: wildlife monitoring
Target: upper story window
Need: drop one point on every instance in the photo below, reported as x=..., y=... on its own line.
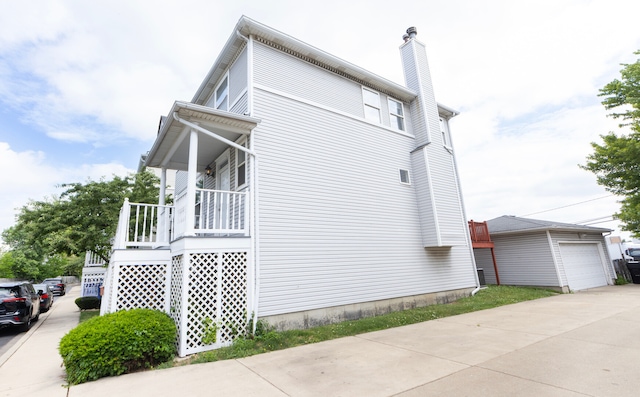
x=446, y=137
x=241, y=166
x=222, y=94
x=371, y=101
x=396, y=114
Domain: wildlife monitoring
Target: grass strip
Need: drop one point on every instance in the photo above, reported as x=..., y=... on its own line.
x=270, y=340
x=87, y=314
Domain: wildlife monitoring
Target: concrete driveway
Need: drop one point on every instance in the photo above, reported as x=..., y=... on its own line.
x=582, y=344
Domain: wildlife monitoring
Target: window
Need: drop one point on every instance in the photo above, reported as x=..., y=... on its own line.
x=396, y=114
x=371, y=105
x=241, y=166
x=404, y=177
x=446, y=138
x=222, y=95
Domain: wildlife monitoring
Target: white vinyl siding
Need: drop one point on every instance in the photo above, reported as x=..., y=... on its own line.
x=525, y=259
x=484, y=261
x=336, y=227
x=181, y=183
x=286, y=73
x=241, y=105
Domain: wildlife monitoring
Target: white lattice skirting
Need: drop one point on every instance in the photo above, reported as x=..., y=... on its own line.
x=209, y=299
x=206, y=293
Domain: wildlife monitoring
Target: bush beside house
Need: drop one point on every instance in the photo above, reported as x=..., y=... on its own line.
x=88, y=302
x=117, y=343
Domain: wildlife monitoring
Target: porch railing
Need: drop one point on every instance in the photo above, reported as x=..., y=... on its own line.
x=151, y=225
x=144, y=225
x=479, y=232
x=217, y=212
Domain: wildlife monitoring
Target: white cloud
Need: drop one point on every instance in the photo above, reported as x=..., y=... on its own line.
x=28, y=176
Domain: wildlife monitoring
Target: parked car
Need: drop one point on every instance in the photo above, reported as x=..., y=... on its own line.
x=46, y=296
x=19, y=304
x=57, y=285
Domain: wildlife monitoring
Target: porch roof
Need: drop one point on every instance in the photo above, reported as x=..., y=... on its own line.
x=171, y=148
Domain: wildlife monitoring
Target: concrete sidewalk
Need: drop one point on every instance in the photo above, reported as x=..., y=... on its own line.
x=587, y=343
x=32, y=366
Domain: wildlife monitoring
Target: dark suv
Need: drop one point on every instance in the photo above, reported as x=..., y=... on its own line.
x=57, y=285
x=19, y=304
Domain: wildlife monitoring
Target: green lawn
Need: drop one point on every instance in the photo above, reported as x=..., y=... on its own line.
x=268, y=340
x=87, y=314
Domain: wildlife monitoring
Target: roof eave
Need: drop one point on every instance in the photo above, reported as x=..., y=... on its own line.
x=554, y=229
x=247, y=26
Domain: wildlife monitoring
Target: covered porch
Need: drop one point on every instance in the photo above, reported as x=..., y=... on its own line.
x=193, y=258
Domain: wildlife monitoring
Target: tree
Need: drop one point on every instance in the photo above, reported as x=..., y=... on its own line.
x=84, y=217
x=616, y=162
x=6, y=265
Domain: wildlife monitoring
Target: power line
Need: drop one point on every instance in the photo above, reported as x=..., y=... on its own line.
x=603, y=221
x=586, y=221
x=568, y=205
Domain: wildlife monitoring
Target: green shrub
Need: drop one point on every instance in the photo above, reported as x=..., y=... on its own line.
x=117, y=343
x=88, y=302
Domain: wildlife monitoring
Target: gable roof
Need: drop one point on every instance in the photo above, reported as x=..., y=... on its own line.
x=512, y=224
x=263, y=33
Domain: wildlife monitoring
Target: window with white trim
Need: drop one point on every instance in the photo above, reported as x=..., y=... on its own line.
x=446, y=137
x=222, y=94
x=371, y=101
x=241, y=166
x=396, y=114
x=404, y=177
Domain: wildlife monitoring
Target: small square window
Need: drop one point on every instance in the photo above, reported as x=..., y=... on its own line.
x=404, y=177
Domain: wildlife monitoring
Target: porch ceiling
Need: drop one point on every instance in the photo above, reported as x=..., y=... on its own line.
x=171, y=148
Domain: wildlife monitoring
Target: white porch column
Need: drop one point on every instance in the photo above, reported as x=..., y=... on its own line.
x=163, y=222
x=191, y=184
x=163, y=186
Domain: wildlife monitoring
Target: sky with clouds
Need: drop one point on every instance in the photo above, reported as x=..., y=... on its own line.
x=83, y=84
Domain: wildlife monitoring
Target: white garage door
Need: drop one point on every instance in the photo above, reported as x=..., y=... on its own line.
x=583, y=266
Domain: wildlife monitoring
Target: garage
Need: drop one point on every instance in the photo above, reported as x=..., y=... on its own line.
x=532, y=252
x=582, y=265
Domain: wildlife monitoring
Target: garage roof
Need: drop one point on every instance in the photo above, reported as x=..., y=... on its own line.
x=511, y=224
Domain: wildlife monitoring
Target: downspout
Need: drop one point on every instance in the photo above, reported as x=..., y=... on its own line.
x=254, y=182
x=255, y=232
x=464, y=217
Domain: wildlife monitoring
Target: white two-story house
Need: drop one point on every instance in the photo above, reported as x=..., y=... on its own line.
x=308, y=191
